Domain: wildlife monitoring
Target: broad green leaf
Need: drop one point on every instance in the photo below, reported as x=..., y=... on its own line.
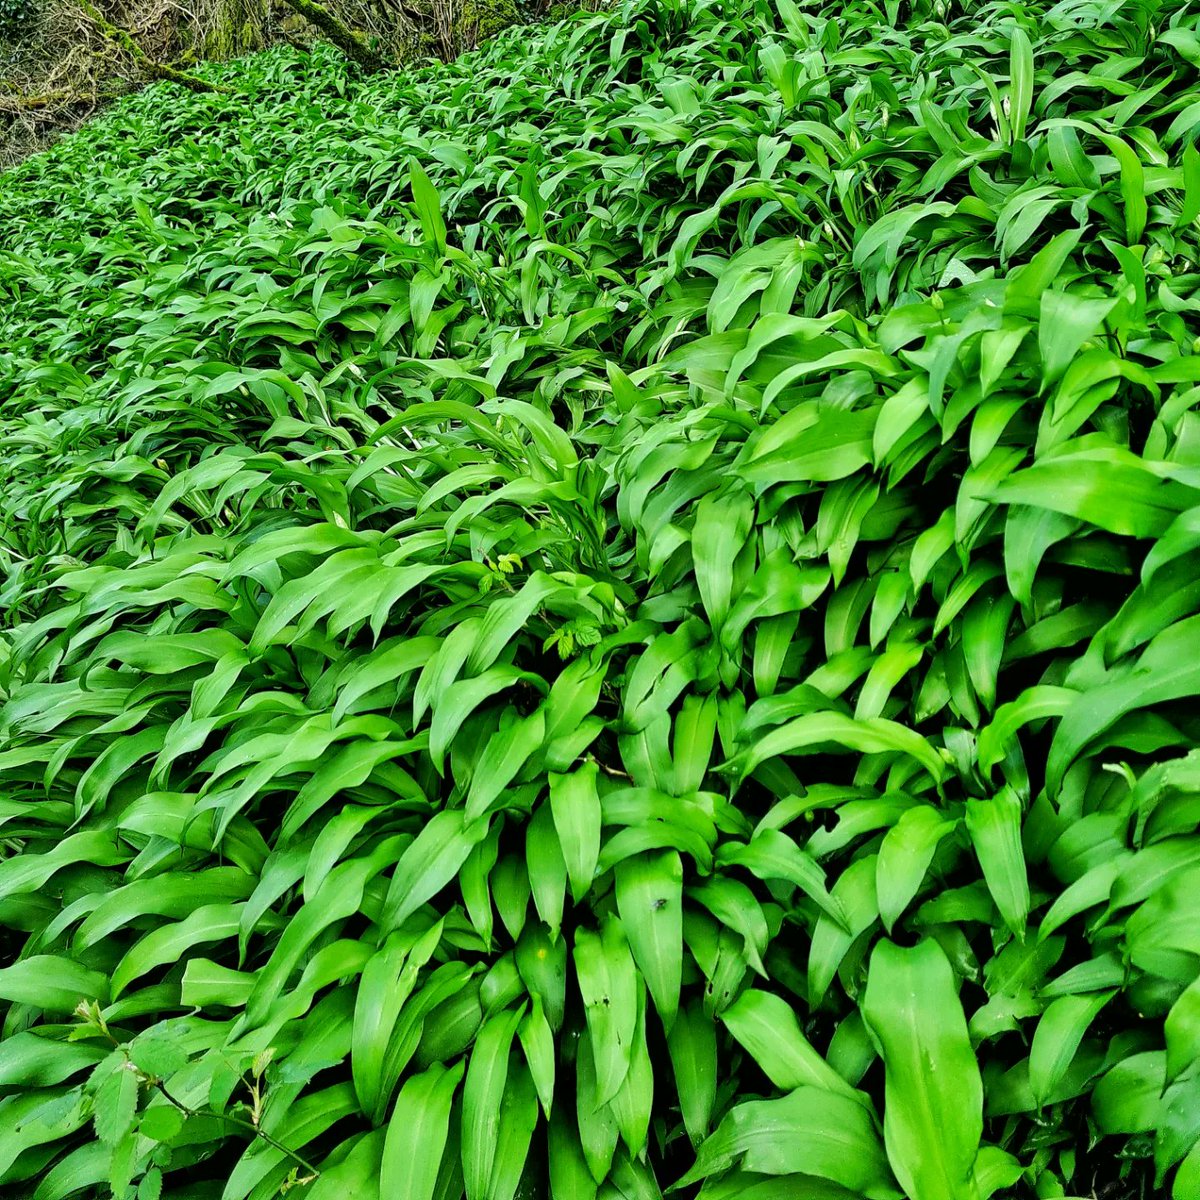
x=1020, y=82
x=518, y=1118
x=53, y=983
x=598, y=1132
x=537, y=1041
x=483, y=1097
x=808, y=734
x=428, y=205
x=607, y=978
x=388, y=980
x=771, y=854
x=575, y=804
x=116, y=1103
x=831, y=940
x=633, y=1103
x=722, y=525
x=430, y=862
x=994, y=827
x=904, y=857
x=1057, y=1037
x=1182, y=1030
x=649, y=894
x=810, y=1130
x=766, y=1027
x=692, y=1043
x=546, y=868
x=356, y=1172
x=1111, y=491
x=933, y=1103
x=1127, y=1097
x=569, y=1174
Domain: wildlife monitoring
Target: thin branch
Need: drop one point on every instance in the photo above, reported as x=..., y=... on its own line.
x=239, y=1123
x=51, y=100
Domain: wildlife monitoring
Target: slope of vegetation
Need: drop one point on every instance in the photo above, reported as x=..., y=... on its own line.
x=61, y=61
x=620, y=613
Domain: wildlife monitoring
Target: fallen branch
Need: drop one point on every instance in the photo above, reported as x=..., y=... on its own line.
x=17, y=102
x=158, y=70
x=346, y=40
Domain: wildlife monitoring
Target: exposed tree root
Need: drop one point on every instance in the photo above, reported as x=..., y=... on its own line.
x=157, y=69
x=346, y=40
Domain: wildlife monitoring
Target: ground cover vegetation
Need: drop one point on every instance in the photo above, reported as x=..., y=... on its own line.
x=619, y=614
x=62, y=61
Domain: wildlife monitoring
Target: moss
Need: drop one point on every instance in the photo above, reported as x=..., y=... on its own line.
x=240, y=27
x=489, y=17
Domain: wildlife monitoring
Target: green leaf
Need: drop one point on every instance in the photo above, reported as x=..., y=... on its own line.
x=1111, y=491
x=813, y=732
x=1056, y=1040
x=209, y=923
x=1182, y=1030
x=812, y=1131
x=537, y=1041
x=483, y=1097
x=995, y=829
x=428, y=205
x=771, y=854
x=1067, y=322
x=518, y=1119
x=547, y=869
x=734, y=905
x=904, y=857
x=598, y=1132
x=649, y=893
x=607, y=977
x=430, y=862
x=722, y=525
x=386, y=985
x=161, y=1123
x=356, y=1172
x=1021, y=82
x=831, y=941
x=633, y=1103
x=417, y=1133
x=569, y=1174
x=1127, y=1098
x=50, y=982
x=692, y=1044
x=765, y=1025
x=575, y=805
x=116, y=1104
x=933, y=1103
x=150, y=1185
x=29, y=1060
x=157, y=1056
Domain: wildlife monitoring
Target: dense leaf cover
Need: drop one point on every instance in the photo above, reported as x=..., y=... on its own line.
x=622, y=612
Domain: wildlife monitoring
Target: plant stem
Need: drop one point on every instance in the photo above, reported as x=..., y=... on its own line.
x=238, y=1123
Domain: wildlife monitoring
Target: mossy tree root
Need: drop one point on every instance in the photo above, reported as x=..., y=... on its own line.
x=159, y=70
x=351, y=44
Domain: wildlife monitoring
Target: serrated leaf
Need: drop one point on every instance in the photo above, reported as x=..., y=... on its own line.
x=116, y=1105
